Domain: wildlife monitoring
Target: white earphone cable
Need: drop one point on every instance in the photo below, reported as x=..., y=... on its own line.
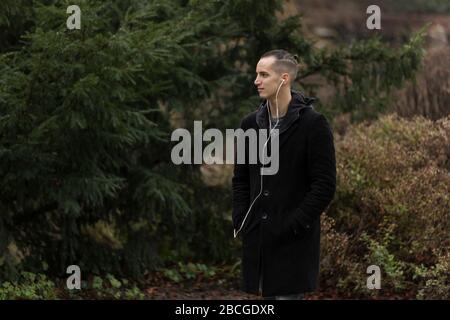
x=264, y=160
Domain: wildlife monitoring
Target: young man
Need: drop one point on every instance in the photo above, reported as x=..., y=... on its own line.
x=281, y=230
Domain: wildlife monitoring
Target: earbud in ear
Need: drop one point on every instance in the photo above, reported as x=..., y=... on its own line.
x=282, y=80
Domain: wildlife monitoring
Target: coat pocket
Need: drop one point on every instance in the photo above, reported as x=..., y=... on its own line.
x=282, y=233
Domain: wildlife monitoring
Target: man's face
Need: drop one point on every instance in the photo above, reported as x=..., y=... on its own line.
x=267, y=80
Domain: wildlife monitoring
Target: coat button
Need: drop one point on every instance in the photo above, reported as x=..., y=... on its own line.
x=266, y=193
x=264, y=216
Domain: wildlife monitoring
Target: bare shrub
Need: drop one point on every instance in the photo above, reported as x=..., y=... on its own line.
x=392, y=207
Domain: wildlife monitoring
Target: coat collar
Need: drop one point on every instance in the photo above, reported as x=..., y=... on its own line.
x=298, y=102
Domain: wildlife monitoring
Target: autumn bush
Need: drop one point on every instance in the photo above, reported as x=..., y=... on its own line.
x=429, y=95
x=391, y=209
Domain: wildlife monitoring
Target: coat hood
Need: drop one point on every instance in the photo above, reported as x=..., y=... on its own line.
x=298, y=102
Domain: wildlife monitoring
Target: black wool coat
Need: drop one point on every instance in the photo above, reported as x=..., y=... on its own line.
x=281, y=234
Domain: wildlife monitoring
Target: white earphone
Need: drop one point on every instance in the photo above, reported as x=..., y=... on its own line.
x=265, y=145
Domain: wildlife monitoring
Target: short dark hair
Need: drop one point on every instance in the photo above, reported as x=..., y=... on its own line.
x=285, y=62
